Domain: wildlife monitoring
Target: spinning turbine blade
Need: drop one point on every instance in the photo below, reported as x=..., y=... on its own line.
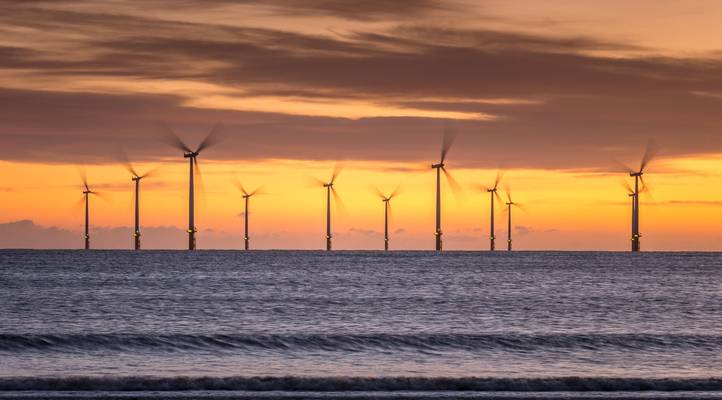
x=337, y=200
x=455, y=187
x=449, y=137
x=168, y=136
x=619, y=166
x=150, y=173
x=259, y=190
x=498, y=197
x=211, y=138
x=336, y=171
x=127, y=164
x=199, y=179
x=649, y=153
x=378, y=192
x=395, y=192
x=240, y=187
x=499, y=175
x=625, y=185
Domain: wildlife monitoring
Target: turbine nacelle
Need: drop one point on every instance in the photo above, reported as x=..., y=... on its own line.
x=190, y=154
x=439, y=165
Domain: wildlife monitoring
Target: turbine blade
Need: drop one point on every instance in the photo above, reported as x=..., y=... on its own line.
x=499, y=175
x=83, y=177
x=239, y=185
x=521, y=207
x=152, y=172
x=337, y=199
x=336, y=171
x=455, y=187
x=396, y=192
x=391, y=214
x=259, y=190
x=212, y=138
x=378, y=191
x=498, y=197
x=645, y=189
x=449, y=137
x=126, y=163
x=101, y=195
x=169, y=137
x=649, y=153
x=199, y=179
x=315, y=182
x=625, y=185
x=622, y=167
x=80, y=203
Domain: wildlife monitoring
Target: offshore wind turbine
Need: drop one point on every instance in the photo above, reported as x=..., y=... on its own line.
x=192, y=156
x=86, y=197
x=330, y=190
x=493, y=192
x=246, y=197
x=649, y=153
x=509, y=204
x=448, y=140
x=136, y=177
x=387, y=210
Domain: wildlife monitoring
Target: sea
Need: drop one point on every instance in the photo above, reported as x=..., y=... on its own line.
x=359, y=325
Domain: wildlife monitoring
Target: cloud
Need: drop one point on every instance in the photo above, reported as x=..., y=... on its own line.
x=79, y=82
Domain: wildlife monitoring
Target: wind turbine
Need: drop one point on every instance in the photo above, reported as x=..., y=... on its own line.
x=192, y=156
x=493, y=192
x=86, y=195
x=649, y=153
x=136, y=177
x=448, y=140
x=246, y=196
x=387, y=210
x=509, y=205
x=329, y=191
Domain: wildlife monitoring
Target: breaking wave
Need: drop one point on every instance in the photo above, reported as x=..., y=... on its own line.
x=334, y=384
x=11, y=343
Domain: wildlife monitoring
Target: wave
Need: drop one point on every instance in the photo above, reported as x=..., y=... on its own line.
x=11, y=343
x=357, y=384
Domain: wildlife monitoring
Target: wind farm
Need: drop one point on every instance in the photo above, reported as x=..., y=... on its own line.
x=333, y=200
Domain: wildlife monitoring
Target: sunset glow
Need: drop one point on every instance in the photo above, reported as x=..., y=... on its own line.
x=555, y=98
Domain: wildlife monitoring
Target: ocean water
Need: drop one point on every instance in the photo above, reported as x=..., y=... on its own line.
x=300, y=324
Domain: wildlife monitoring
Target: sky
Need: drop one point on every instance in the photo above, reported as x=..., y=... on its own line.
x=555, y=94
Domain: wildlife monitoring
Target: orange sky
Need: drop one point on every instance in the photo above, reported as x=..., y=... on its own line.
x=552, y=93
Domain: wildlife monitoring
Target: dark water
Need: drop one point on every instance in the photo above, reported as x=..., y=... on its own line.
x=360, y=325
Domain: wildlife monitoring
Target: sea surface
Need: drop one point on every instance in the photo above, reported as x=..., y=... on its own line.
x=361, y=325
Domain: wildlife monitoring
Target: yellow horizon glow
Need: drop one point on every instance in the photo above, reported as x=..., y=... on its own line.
x=564, y=209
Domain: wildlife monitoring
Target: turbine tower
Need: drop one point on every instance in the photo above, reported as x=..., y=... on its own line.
x=493, y=192
x=448, y=140
x=86, y=198
x=387, y=210
x=649, y=154
x=509, y=205
x=135, y=177
x=246, y=196
x=330, y=190
x=192, y=156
